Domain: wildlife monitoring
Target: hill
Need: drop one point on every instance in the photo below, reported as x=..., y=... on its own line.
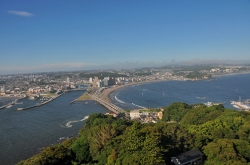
x=221, y=134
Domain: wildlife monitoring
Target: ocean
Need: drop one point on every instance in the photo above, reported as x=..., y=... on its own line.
x=25, y=133
x=158, y=94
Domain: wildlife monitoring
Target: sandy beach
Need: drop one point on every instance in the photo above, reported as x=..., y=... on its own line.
x=105, y=95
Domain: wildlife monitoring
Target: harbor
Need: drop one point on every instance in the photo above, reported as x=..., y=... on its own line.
x=44, y=100
x=9, y=105
x=40, y=104
x=241, y=104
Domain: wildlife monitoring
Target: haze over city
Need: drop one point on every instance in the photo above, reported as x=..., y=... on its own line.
x=42, y=36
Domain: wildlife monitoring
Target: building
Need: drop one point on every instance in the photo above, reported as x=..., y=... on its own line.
x=111, y=81
x=194, y=157
x=99, y=84
x=135, y=114
x=106, y=82
x=3, y=89
x=90, y=80
x=160, y=114
x=95, y=82
x=143, y=115
x=68, y=80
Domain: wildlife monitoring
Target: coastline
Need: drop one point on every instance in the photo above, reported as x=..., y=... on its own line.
x=10, y=97
x=105, y=95
x=230, y=74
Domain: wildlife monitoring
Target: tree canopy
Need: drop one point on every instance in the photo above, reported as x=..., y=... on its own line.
x=223, y=135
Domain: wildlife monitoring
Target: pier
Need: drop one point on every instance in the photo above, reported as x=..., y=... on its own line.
x=41, y=104
x=110, y=106
x=12, y=103
x=27, y=107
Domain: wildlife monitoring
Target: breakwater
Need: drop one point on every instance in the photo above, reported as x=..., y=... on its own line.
x=41, y=104
x=12, y=103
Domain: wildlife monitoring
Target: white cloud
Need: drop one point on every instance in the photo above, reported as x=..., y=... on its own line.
x=21, y=13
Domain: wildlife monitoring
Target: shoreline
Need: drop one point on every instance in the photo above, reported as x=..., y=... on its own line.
x=10, y=97
x=230, y=74
x=105, y=95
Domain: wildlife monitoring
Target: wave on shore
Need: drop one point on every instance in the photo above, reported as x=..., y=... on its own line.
x=139, y=106
x=68, y=124
x=119, y=100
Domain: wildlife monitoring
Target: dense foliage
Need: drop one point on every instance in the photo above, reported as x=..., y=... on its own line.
x=223, y=135
x=197, y=74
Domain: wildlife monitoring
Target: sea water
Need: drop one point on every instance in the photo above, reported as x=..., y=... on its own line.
x=159, y=94
x=25, y=133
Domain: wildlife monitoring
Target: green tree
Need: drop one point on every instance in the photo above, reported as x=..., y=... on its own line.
x=81, y=149
x=223, y=151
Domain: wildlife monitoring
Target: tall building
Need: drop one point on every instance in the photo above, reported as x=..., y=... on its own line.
x=68, y=80
x=95, y=82
x=106, y=82
x=90, y=80
x=3, y=89
x=111, y=81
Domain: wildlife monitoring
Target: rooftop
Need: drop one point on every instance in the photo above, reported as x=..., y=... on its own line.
x=188, y=156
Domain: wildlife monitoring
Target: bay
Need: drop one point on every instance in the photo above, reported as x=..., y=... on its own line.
x=159, y=94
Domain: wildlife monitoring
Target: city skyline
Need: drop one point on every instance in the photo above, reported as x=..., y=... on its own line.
x=57, y=35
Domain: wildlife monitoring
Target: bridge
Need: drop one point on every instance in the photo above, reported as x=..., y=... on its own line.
x=110, y=106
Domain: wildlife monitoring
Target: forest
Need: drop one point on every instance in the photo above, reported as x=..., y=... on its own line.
x=222, y=134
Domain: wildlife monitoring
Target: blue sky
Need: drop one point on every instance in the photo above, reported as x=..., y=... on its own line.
x=58, y=35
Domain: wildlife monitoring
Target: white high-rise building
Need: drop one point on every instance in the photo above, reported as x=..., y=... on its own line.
x=3, y=89
x=68, y=80
x=90, y=80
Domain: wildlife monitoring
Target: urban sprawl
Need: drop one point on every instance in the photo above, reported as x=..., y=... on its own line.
x=36, y=84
